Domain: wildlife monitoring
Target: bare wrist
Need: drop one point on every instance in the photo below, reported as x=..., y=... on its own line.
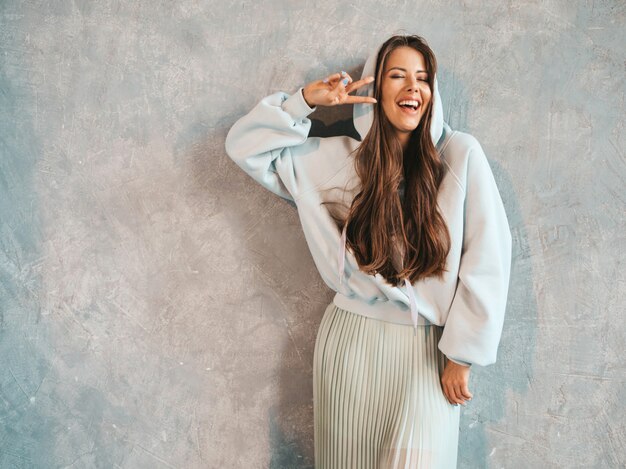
x=305, y=100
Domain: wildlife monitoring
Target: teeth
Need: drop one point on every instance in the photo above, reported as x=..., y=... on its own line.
x=409, y=102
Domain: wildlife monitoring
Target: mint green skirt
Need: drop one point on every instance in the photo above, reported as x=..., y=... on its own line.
x=378, y=400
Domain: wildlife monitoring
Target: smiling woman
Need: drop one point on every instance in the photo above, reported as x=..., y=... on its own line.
x=423, y=255
x=406, y=91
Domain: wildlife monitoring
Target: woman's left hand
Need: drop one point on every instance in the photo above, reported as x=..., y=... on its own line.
x=454, y=381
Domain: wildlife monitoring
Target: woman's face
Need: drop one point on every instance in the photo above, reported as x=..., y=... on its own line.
x=405, y=78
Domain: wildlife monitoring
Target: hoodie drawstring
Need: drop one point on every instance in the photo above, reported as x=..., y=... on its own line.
x=413, y=302
x=342, y=253
x=409, y=286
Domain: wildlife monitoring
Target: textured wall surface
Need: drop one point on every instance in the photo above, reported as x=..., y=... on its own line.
x=159, y=309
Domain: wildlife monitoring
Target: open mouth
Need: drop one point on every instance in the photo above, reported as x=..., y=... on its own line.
x=410, y=108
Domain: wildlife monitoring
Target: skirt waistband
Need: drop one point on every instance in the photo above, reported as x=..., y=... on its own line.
x=381, y=310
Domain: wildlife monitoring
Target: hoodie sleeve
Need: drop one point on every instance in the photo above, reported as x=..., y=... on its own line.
x=265, y=138
x=473, y=327
x=460, y=362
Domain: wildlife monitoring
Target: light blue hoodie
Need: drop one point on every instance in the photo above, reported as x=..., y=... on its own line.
x=271, y=144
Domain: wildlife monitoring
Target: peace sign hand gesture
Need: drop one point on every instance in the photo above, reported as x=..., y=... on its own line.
x=334, y=89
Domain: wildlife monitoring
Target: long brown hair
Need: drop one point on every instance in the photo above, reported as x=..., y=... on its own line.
x=379, y=222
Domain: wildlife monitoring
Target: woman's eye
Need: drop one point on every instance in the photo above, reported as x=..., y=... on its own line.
x=400, y=76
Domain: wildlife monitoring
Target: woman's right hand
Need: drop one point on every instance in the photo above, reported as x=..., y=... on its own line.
x=332, y=91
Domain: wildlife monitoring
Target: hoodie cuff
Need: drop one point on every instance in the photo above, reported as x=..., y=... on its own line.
x=459, y=362
x=296, y=106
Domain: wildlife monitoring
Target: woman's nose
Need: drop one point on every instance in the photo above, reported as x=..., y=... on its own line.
x=413, y=83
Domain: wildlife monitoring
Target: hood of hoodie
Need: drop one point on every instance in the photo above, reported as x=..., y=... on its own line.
x=363, y=113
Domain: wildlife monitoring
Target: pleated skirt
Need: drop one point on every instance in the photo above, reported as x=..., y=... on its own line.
x=378, y=399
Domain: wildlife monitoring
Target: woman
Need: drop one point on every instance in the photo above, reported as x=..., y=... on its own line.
x=408, y=228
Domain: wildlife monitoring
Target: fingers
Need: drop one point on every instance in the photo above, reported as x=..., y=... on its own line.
x=340, y=84
x=453, y=394
x=335, y=78
x=360, y=99
x=336, y=85
x=331, y=79
x=343, y=83
x=454, y=384
x=359, y=83
x=465, y=392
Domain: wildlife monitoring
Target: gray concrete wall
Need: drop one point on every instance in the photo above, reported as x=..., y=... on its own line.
x=159, y=309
